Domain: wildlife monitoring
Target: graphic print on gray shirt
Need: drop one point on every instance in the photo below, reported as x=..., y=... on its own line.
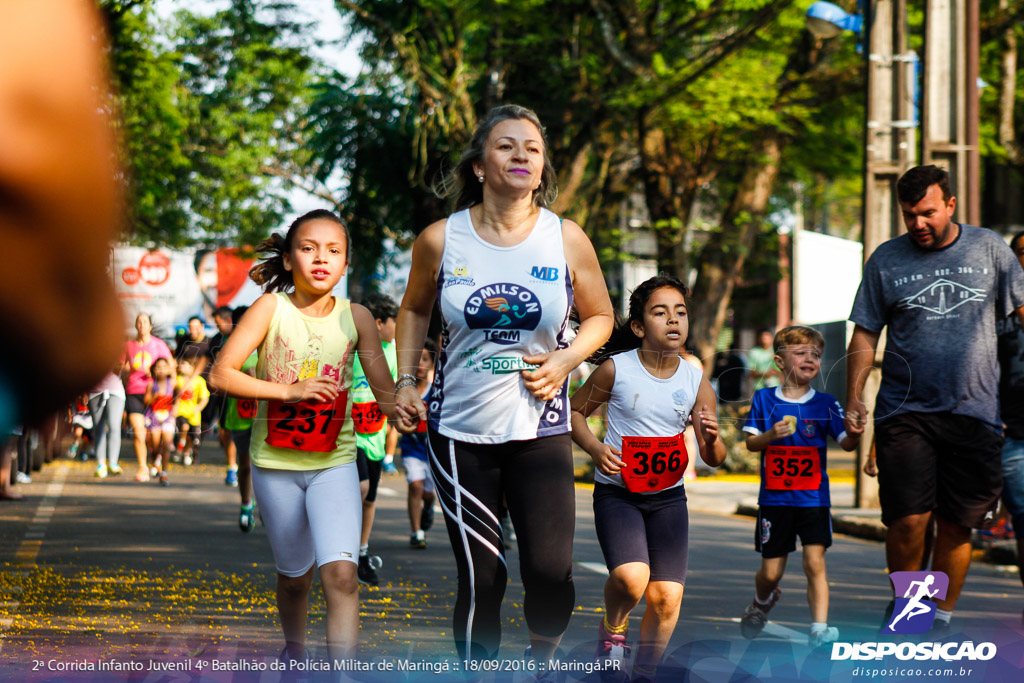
x=941, y=307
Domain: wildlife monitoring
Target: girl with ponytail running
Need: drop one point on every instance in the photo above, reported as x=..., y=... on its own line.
x=303, y=443
x=639, y=500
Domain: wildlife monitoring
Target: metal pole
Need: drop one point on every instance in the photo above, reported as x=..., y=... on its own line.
x=973, y=215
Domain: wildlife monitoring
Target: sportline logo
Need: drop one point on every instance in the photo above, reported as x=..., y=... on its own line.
x=947, y=652
x=503, y=365
x=915, y=611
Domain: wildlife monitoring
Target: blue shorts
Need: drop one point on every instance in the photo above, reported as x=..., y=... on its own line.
x=1013, y=481
x=650, y=528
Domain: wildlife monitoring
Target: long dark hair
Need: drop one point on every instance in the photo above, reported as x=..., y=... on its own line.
x=270, y=272
x=463, y=184
x=623, y=338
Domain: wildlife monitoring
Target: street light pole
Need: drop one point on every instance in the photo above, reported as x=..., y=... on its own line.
x=888, y=153
x=949, y=125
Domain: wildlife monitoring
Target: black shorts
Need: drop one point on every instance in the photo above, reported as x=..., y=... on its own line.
x=779, y=525
x=941, y=462
x=135, y=403
x=214, y=412
x=652, y=528
x=186, y=428
x=368, y=470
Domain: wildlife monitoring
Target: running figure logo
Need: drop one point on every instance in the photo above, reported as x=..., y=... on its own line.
x=914, y=612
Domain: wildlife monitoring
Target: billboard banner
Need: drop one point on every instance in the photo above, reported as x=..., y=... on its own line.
x=172, y=285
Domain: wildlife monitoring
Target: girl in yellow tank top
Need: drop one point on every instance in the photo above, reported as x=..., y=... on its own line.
x=303, y=443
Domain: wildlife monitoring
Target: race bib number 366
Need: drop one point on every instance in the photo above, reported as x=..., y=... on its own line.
x=653, y=463
x=306, y=426
x=792, y=468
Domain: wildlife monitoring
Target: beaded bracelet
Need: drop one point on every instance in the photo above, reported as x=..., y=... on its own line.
x=406, y=382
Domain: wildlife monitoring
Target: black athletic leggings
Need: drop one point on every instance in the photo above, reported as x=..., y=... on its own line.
x=536, y=479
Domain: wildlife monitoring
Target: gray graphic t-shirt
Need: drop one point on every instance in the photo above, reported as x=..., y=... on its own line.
x=941, y=308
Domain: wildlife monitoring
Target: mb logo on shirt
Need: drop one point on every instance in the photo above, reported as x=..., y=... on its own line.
x=916, y=593
x=545, y=273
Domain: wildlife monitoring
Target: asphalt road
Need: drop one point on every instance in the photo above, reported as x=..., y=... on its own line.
x=119, y=574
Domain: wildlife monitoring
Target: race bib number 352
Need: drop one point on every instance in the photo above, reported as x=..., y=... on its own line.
x=306, y=426
x=792, y=468
x=653, y=463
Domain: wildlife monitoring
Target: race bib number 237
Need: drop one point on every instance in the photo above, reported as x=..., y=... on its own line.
x=306, y=426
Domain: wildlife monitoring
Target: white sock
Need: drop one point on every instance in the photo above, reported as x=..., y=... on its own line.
x=760, y=601
x=364, y=550
x=819, y=626
x=420, y=535
x=943, y=615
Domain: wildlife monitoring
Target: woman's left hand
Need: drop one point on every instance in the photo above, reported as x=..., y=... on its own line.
x=546, y=381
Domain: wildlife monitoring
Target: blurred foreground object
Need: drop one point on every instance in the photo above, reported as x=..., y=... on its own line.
x=59, y=207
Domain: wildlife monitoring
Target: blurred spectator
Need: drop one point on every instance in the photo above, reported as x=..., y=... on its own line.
x=761, y=362
x=59, y=208
x=729, y=373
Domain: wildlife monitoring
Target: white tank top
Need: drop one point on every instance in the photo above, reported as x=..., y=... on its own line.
x=499, y=304
x=643, y=405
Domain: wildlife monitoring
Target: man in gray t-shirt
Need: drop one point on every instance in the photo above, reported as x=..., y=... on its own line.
x=939, y=289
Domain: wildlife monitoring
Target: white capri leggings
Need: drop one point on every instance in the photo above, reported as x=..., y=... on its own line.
x=310, y=516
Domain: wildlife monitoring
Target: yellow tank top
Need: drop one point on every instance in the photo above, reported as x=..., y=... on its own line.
x=306, y=436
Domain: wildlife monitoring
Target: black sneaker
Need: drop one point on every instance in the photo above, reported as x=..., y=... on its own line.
x=427, y=517
x=366, y=571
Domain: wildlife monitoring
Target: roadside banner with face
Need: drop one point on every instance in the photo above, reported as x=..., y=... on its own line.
x=173, y=285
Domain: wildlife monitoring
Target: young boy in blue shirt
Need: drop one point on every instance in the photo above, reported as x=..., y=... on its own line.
x=789, y=425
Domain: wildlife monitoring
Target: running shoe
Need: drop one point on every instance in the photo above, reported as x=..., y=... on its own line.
x=427, y=517
x=115, y=469
x=22, y=478
x=611, y=655
x=819, y=638
x=187, y=460
x=367, y=570
x=163, y=479
x=389, y=464
x=756, y=615
x=73, y=451
x=232, y=478
x=101, y=472
x=418, y=541
x=142, y=475
x=247, y=518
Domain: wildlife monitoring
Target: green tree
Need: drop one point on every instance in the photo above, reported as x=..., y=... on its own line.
x=249, y=74
x=152, y=122
x=213, y=119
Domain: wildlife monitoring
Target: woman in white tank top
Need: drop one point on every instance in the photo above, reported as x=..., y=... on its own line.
x=505, y=272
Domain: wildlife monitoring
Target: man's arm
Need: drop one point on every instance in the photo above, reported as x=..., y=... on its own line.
x=860, y=358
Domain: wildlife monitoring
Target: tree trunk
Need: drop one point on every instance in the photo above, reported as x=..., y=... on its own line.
x=1008, y=91
x=726, y=252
